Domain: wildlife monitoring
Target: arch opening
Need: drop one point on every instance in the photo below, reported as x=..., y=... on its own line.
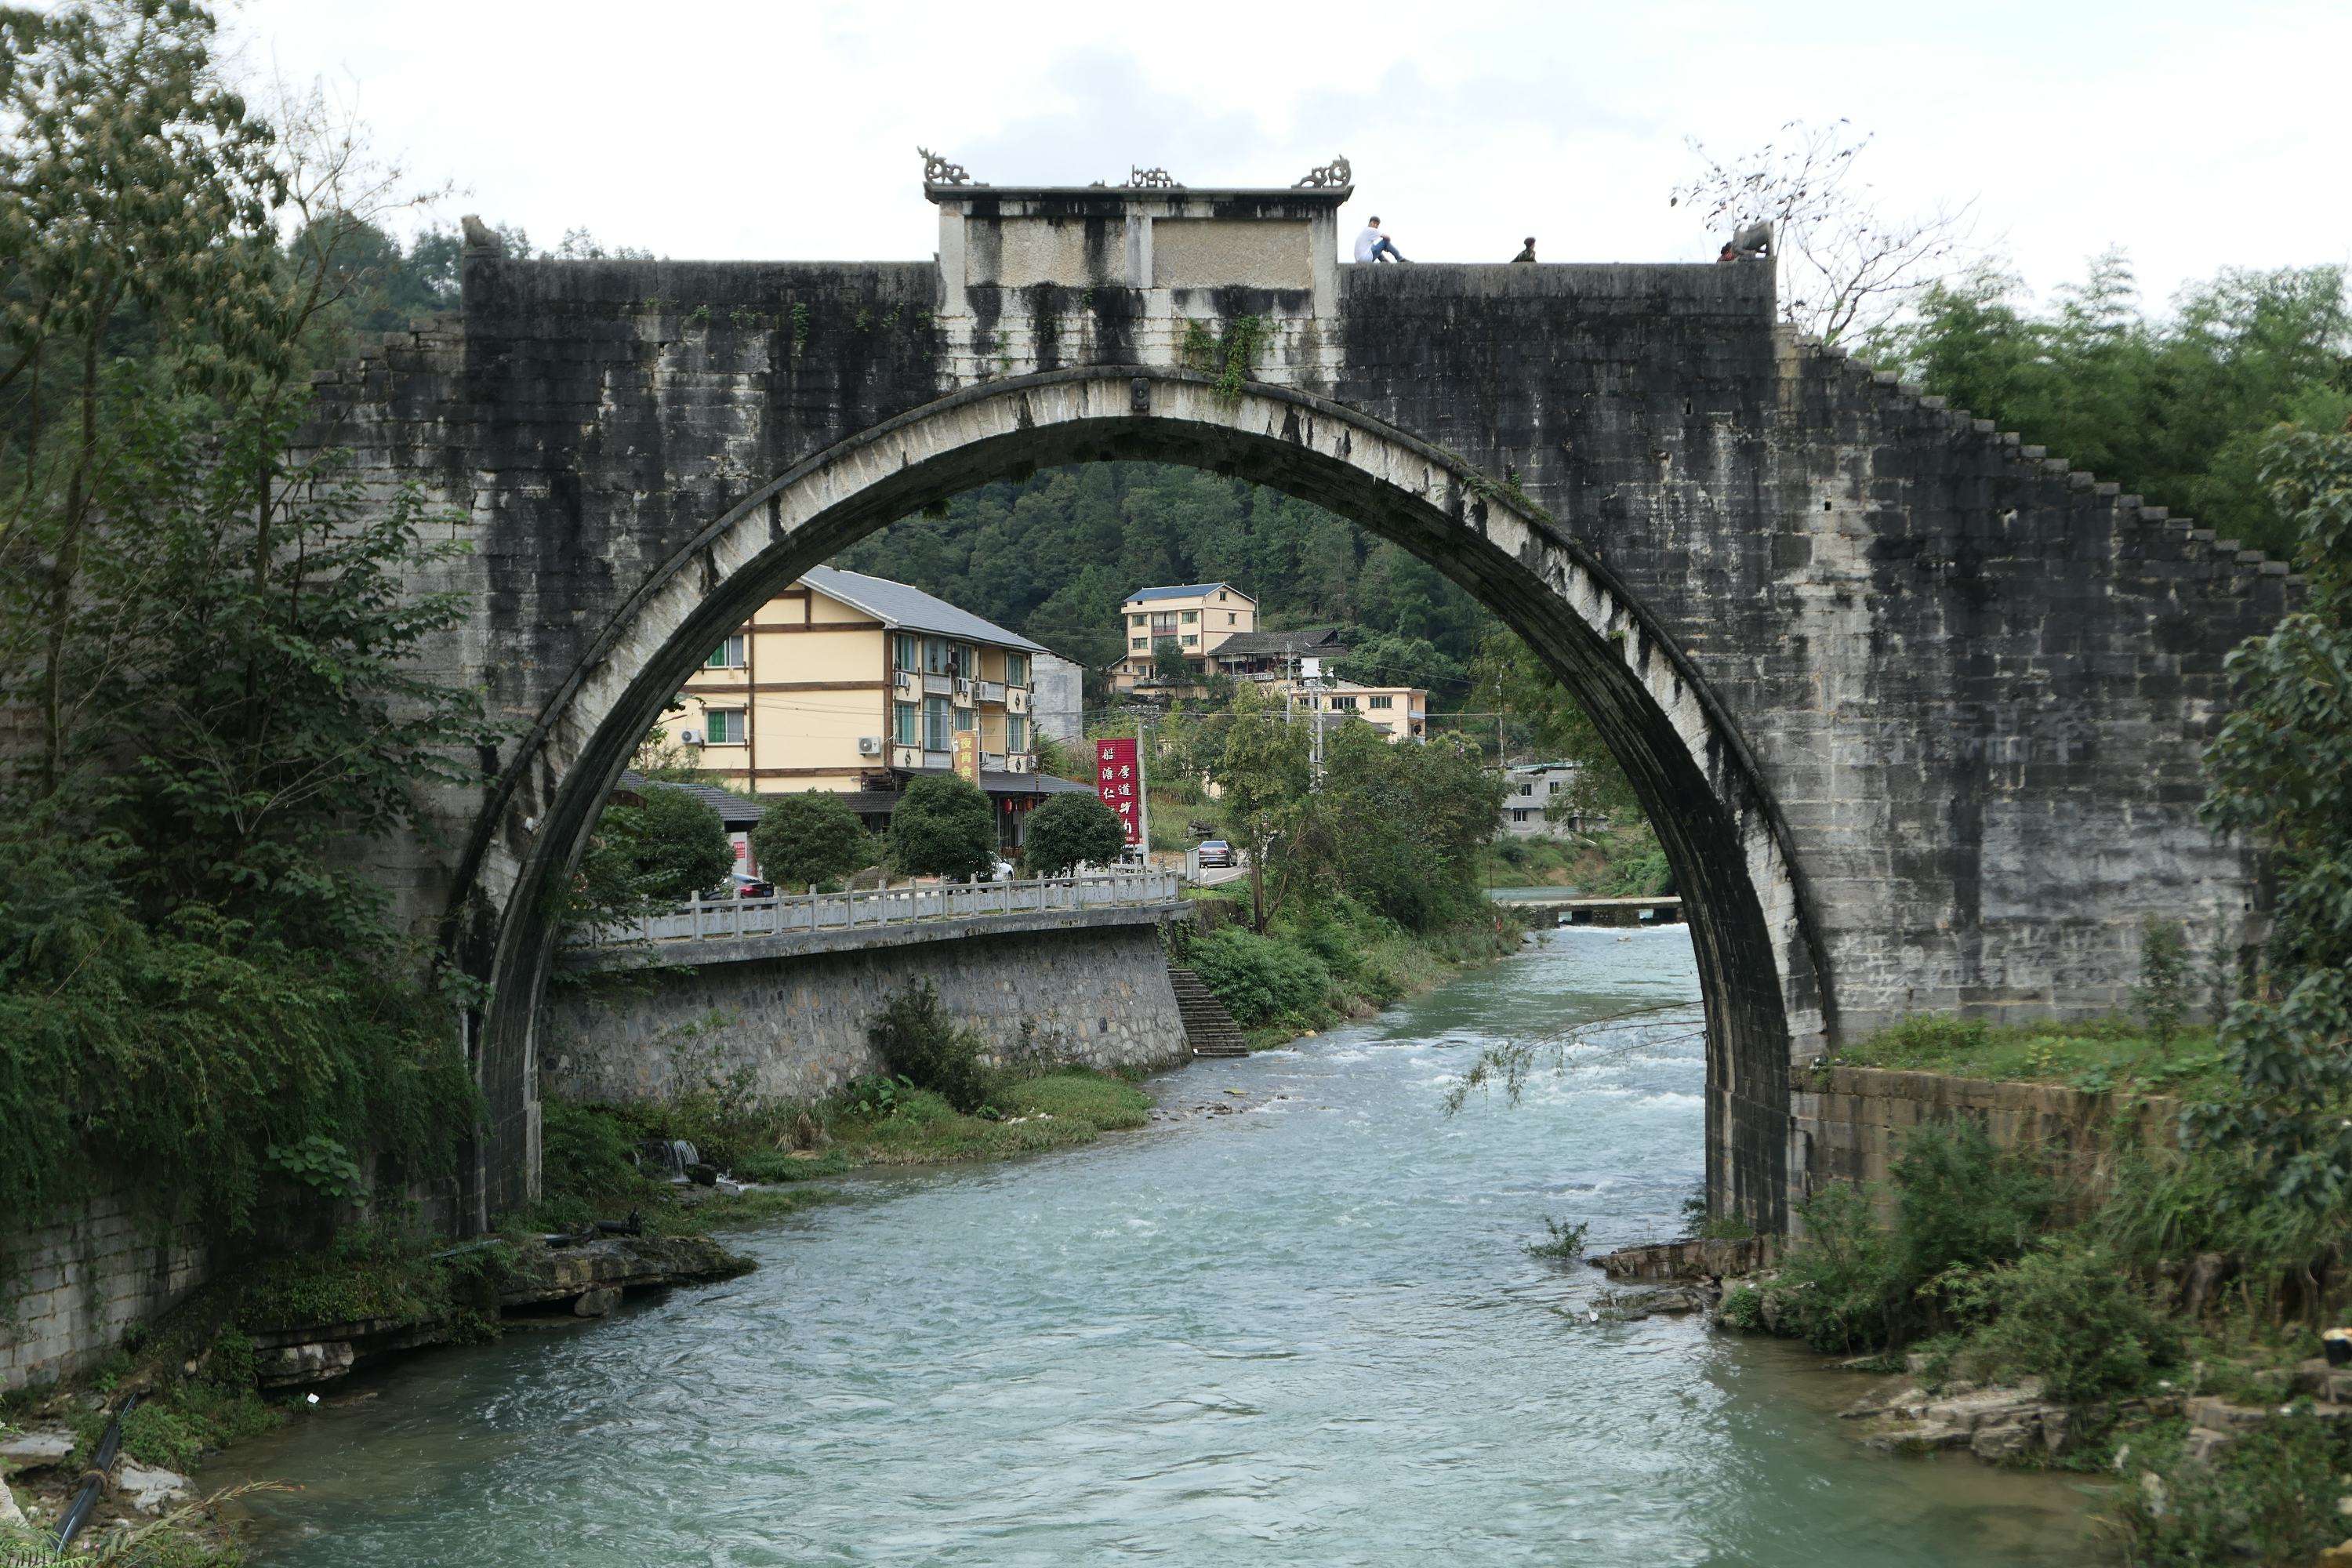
x=1760, y=980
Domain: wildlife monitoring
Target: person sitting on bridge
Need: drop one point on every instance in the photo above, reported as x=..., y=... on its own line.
x=1372, y=244
x=1527, y=251
x=1727, y=253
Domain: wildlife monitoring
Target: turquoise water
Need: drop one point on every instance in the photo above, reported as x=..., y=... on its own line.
x=1308, y=1332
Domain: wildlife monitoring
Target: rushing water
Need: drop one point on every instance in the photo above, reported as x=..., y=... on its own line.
x=1307, y=1333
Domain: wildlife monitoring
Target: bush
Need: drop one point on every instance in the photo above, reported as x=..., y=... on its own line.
x=2070, y=1316
x=1840, y=1283
x=1073, y=830
x=1742, y=1308
x=942, y=828
x=2270, y=1498
x=1566, y=1242
x=1960, y=1202
x=586, y=1152
x=918, y=1042
x=1259, y=978
x=808, y=838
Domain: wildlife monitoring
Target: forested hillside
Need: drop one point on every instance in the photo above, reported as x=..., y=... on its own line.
x=1055, y=555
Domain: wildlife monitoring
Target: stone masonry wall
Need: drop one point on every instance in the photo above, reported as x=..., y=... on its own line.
x=1852, y=1121
x=793, y=1028
x=73, y=1285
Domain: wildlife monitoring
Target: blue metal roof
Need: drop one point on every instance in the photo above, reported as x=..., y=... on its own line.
x=1181, y=591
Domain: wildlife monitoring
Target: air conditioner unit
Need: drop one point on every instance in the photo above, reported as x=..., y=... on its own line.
x=689, y=737
x=869, y=745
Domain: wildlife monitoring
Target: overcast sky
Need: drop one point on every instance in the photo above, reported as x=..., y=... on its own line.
x=2196, y=136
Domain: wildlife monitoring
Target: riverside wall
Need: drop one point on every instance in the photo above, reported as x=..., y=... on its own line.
x=1850, y=1123
x=74, y=1284
x=786, y=1020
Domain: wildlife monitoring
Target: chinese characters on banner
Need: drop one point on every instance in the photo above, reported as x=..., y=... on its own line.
x=966, y=744
x=1115, y=785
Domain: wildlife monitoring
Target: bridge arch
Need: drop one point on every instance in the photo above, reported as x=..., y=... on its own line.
x=1759, y=954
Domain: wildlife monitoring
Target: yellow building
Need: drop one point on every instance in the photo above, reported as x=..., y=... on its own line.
x=854, y=684
x=1402, y=711
x=1196, y=616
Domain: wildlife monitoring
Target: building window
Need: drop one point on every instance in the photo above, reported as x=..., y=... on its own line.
x=1135, y=620
x=1193, y=640
x=1231, y=619
x=1191, y=618
x=903, y=729
x=728, y=655
x=722, y=726
x=1526, y=789
x=967, y=660
x=1140, y=645
x=1017, y=670
x=1016, y=732
x=935, y=725
x=908, y=651
x=939, y=657
x=967, y=718
x=1383, y=702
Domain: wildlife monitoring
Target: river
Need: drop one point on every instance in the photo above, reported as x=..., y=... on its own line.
x=1305, y=1333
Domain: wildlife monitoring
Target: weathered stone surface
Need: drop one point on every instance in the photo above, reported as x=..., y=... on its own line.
x=616, y=1262
x=1851, y=1123
x=11, y=1516
x=149, y=1488
x=1916, y=712
x=597, y=1302
x=36, y=1450
x=317, y=1360
x=1694, y=1259
x=793, y=1028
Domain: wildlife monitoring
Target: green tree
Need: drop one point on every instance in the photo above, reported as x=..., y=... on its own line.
x=1169, y=663
x=1400, y=826
x=809, y=838
x=1262, y=773
x=2178, y=408
x=653, y=854
x=2280, y=773
x=1552, y=726
x=942, y=828
x=1073, y=830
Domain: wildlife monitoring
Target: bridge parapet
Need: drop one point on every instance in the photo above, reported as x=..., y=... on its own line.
x=741, y=929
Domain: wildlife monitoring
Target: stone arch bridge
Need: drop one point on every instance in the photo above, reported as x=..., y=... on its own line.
x=1915, y=708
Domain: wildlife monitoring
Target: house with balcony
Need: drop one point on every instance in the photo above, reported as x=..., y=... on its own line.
x=1197, y=617
x=857, y=684
x=1528, y=791
x=1402, y=712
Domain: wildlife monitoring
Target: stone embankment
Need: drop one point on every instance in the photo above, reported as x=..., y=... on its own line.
x=585, y=1279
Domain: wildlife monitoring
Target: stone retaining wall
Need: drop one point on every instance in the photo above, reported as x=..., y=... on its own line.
x=1849, y=1123
x=1092, y=989
x=71, y=1287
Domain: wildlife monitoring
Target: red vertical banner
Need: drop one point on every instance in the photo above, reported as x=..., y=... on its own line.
x=1115, y=785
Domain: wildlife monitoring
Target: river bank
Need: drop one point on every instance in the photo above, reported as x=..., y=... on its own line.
x=1306, y=1329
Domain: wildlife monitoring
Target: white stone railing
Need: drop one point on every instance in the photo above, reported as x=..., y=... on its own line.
x=795, y=913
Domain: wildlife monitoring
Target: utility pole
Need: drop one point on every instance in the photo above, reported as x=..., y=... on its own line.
x=1142, y=785
x=1501, y=760
x=1315, y=720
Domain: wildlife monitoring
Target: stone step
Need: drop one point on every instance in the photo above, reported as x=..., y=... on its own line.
x=1209, y=1030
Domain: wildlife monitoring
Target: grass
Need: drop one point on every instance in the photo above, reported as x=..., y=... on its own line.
x=1054, y=1110
x=2097, y=1055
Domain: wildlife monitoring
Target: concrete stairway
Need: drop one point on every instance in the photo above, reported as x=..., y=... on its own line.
x=1208, y=1028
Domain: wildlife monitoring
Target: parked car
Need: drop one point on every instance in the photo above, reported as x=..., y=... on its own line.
x=740, y=886
x=1003, y=871
x=1215, y=852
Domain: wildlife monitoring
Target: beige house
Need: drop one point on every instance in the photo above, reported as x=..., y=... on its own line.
x=855, y=684
x=1400, y=711
x=1196, y=616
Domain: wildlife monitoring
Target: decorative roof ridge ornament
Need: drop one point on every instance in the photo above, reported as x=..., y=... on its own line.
x=1335, y=173
x=1139, y=179
x=938, y=171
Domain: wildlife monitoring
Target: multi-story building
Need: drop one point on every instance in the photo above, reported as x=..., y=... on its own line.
x=1272, y=655
x=1195, y=616
x=1401, y=711
x=856, y=684
x=1528, y=791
